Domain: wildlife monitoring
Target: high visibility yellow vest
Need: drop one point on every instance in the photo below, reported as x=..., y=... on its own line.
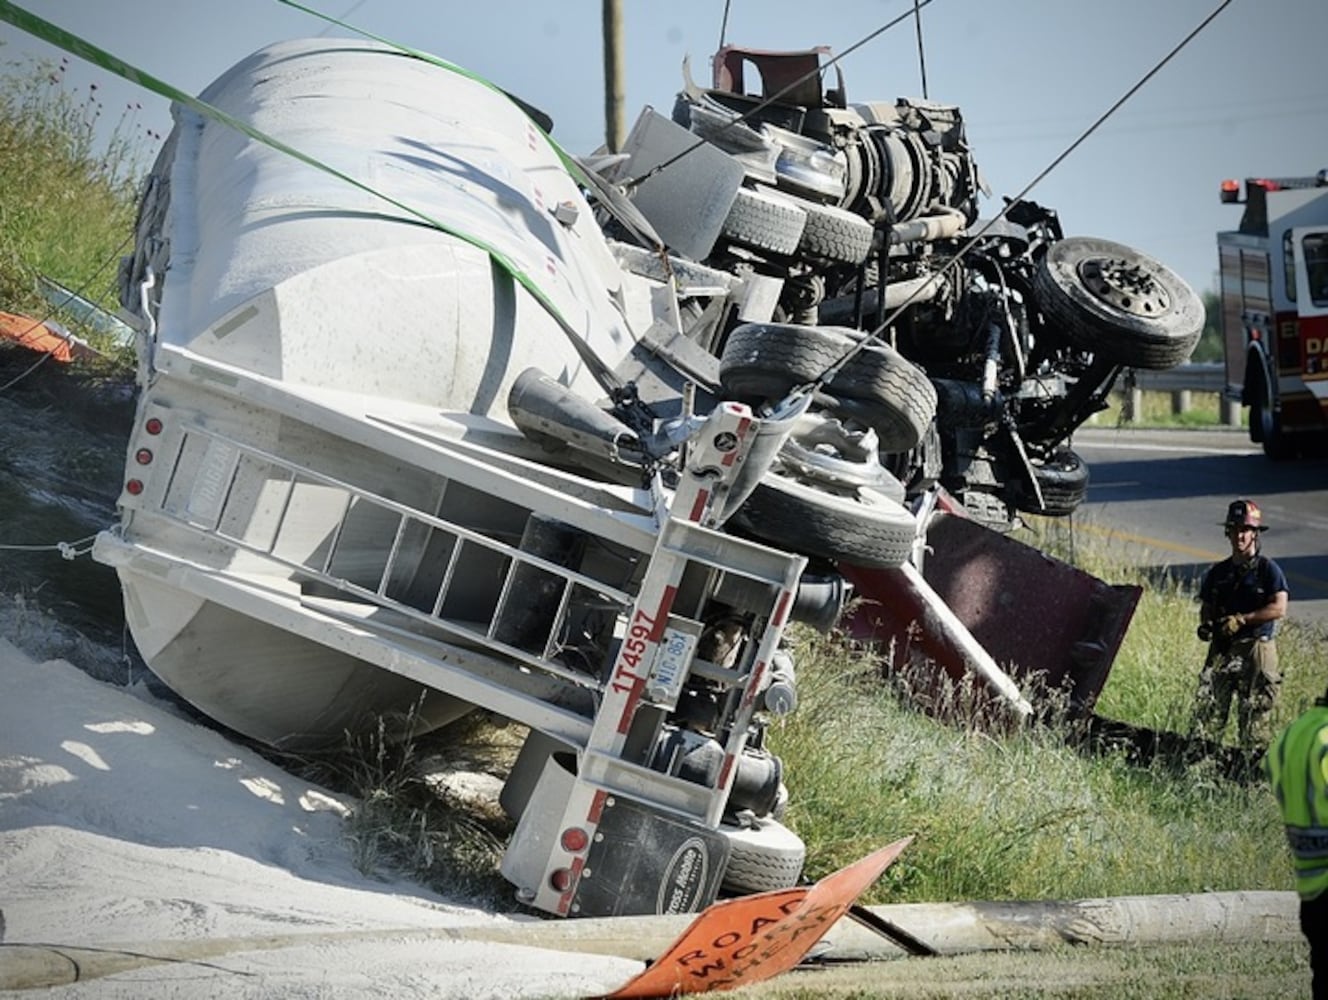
x=1297, y=765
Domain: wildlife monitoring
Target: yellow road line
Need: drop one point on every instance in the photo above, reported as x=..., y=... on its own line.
x=1206, y=555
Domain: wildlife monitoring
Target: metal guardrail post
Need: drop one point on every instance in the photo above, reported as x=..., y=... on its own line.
x=1230, y=412
x=1182, y=382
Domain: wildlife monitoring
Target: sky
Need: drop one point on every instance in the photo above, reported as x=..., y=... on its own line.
x=1247, y=97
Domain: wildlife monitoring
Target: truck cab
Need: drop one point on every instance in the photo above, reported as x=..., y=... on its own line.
x=1274, y=293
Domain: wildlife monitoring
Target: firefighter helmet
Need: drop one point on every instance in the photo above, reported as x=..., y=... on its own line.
x=1244, y=514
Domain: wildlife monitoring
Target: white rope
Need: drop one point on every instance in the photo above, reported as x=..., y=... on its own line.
x=68, y=550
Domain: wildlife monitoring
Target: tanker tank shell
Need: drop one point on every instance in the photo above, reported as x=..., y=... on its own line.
x=325, y=352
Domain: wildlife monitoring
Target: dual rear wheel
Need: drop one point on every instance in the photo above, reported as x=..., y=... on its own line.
x=877, y=387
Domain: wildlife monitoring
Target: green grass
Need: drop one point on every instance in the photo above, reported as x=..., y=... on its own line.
x=1020, y=815
x=1253, y=970
x=67, y=196
x=1156, y=411
x=1025, y=814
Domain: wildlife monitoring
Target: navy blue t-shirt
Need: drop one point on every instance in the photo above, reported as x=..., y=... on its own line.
x=1235, y=589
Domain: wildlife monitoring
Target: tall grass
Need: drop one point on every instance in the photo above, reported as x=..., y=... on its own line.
x=406, y=821
x=67, y=189
x=1020, y=815
x=1030, y=814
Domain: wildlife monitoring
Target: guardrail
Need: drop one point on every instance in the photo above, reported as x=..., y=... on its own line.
x=1182, y=382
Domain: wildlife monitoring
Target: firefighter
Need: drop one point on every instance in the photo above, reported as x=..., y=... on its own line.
x=1242, y=598
x=1297, y=766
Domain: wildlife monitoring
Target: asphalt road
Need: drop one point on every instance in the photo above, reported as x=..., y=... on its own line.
x=1162, y=495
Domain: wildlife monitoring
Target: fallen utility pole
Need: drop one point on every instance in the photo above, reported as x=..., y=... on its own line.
x=947, y=928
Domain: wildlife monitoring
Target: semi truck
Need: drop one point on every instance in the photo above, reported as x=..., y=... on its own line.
x=1273, y=273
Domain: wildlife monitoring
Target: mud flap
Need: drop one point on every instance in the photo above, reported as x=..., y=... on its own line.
x=582, y=850
x=646, y=861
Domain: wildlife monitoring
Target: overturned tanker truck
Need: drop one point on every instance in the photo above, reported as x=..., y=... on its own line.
x=434, y=416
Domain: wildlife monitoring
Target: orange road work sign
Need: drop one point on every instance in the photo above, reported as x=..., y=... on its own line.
x=751, y=938
x=38, y=336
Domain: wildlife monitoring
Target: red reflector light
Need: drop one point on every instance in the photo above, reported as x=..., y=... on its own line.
x=153, y=426
x=143, y=456
x=1230, y=191
x=560, y=879
x=134, y=487
x=574, y=840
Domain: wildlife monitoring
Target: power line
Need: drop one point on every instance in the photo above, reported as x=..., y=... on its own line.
x=998, y=137
x=1306, y=103
x=353, y=8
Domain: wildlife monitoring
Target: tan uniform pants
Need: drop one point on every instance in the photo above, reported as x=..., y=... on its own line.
x=1244, y=670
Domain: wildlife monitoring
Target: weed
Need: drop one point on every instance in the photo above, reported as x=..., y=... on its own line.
x=67, y=195
x=401, y=824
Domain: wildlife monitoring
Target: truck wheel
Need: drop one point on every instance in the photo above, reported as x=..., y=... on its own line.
x=765, y=220
x=1266, y=423
x=869, y=529
x=1119, y=303
x=1063, y=480
x=880, y=387
x=835, y=234
x=762, y=858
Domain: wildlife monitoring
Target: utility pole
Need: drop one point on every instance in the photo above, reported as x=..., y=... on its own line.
x=614, y=128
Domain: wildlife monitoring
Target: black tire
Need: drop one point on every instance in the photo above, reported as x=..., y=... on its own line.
x=762, y=858
x=763, y=361
x=1063, y=480
x=1118, y=303
x=870, y=529
x=1265, y=421
x=835, y=234
x=765, y=220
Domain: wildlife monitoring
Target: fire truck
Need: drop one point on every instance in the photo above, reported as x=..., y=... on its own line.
x=1274, y=291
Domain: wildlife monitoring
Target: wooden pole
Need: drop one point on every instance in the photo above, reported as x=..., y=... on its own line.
x=948, y=928
x=614, y=125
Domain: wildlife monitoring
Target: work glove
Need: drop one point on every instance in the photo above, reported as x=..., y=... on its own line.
x=1231, y=624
